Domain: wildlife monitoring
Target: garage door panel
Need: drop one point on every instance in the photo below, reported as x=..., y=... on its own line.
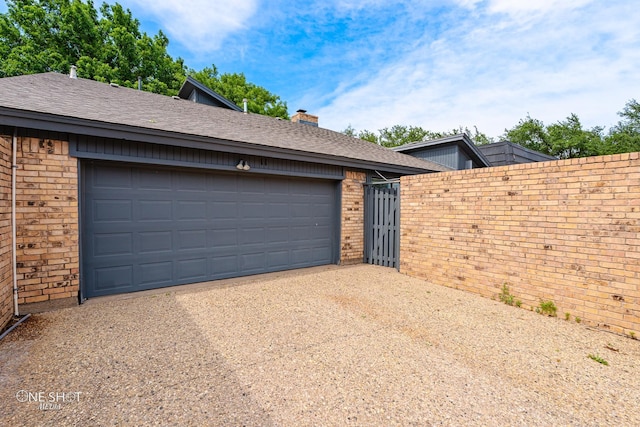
x=224, y=210
x=154, y=180
x=302, y=210
x=253, y=261
x=277, y=210
x=155, y=274
x=319, y=232
x=112, y=244
x=106, y=177
x=301, y=256
x=320, y=254
x=224, y=238
x=119, y=278
x=195, y=269
x=191, y=239
x=252, y=210
x=146, y=226
x=112, y=210
x=300, y=233
x=322, y=210
x=153, y=242
x=194, y=182
x=252, y=187
x=277, y=234
x=154, y=210
x=190, y=210
x=251, y=236
x=222, y=266
x=278, y=259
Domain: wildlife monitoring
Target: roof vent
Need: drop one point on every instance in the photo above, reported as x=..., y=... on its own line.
x=114, y=84
x=244, y=102
x=176, y=97
x=73, y=72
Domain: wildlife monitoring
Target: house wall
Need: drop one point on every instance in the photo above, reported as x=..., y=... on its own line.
x=6, y=271
x=352, y=218
x=48, y=228
x=566, y=231
x=47, y=220
x=447, y=155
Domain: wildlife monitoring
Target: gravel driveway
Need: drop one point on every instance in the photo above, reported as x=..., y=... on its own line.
x=359, y=345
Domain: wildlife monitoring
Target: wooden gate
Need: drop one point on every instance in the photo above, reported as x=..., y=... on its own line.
x=382, y=224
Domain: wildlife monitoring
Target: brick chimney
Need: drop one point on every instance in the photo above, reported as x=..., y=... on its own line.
x=301, y=116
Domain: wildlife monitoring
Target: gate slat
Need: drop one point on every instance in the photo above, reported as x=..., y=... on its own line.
x=382, y=225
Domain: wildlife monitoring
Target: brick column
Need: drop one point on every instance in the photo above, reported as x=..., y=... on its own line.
x=47, y=221
x=352, y=218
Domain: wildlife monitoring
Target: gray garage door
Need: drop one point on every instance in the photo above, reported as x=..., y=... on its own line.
x=150, y=227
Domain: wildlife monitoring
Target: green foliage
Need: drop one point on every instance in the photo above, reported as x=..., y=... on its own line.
x=568, y=139
x=51, y=35
x=505, y=296
x=400, y=135
x=236, y=88
x=624, y=137
x=567, y=316
x=530, y=133
x=564, y=139
x=578, y=320
x=598, y=359
x=547, y=308
x=39, y=36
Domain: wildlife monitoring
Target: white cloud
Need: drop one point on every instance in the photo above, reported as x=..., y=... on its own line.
x=517, y=7
x=490, y=70
x=199, y=25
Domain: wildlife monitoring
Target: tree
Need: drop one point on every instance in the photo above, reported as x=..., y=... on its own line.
x=235, y=87
x=625, y=136
x=51, y=35
x=400, y=134
x=39, y=36
x=569, y=140
x=530, y=133
x=563, y=139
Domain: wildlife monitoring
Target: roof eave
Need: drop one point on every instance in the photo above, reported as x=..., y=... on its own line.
x=72, y=125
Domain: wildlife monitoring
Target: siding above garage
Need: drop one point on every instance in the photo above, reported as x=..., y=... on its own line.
x=88, y=147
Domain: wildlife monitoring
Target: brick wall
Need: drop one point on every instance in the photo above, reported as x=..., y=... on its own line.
x=566, y=231
x=352, y=231
x=47, y=218
x=6, y=277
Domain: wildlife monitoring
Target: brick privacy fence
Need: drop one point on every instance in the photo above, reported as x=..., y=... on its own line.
x=352, y=218
x=6, y=273
x=566, y=231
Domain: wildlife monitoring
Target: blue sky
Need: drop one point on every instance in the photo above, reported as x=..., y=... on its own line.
x=438, y=64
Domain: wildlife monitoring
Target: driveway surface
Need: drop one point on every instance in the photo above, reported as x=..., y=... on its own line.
x=358, y=345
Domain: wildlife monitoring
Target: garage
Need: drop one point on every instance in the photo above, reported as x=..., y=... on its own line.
x=150, y=226
x=120, y=190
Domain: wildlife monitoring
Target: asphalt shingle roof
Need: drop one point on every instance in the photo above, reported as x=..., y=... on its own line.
x=100, y=105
